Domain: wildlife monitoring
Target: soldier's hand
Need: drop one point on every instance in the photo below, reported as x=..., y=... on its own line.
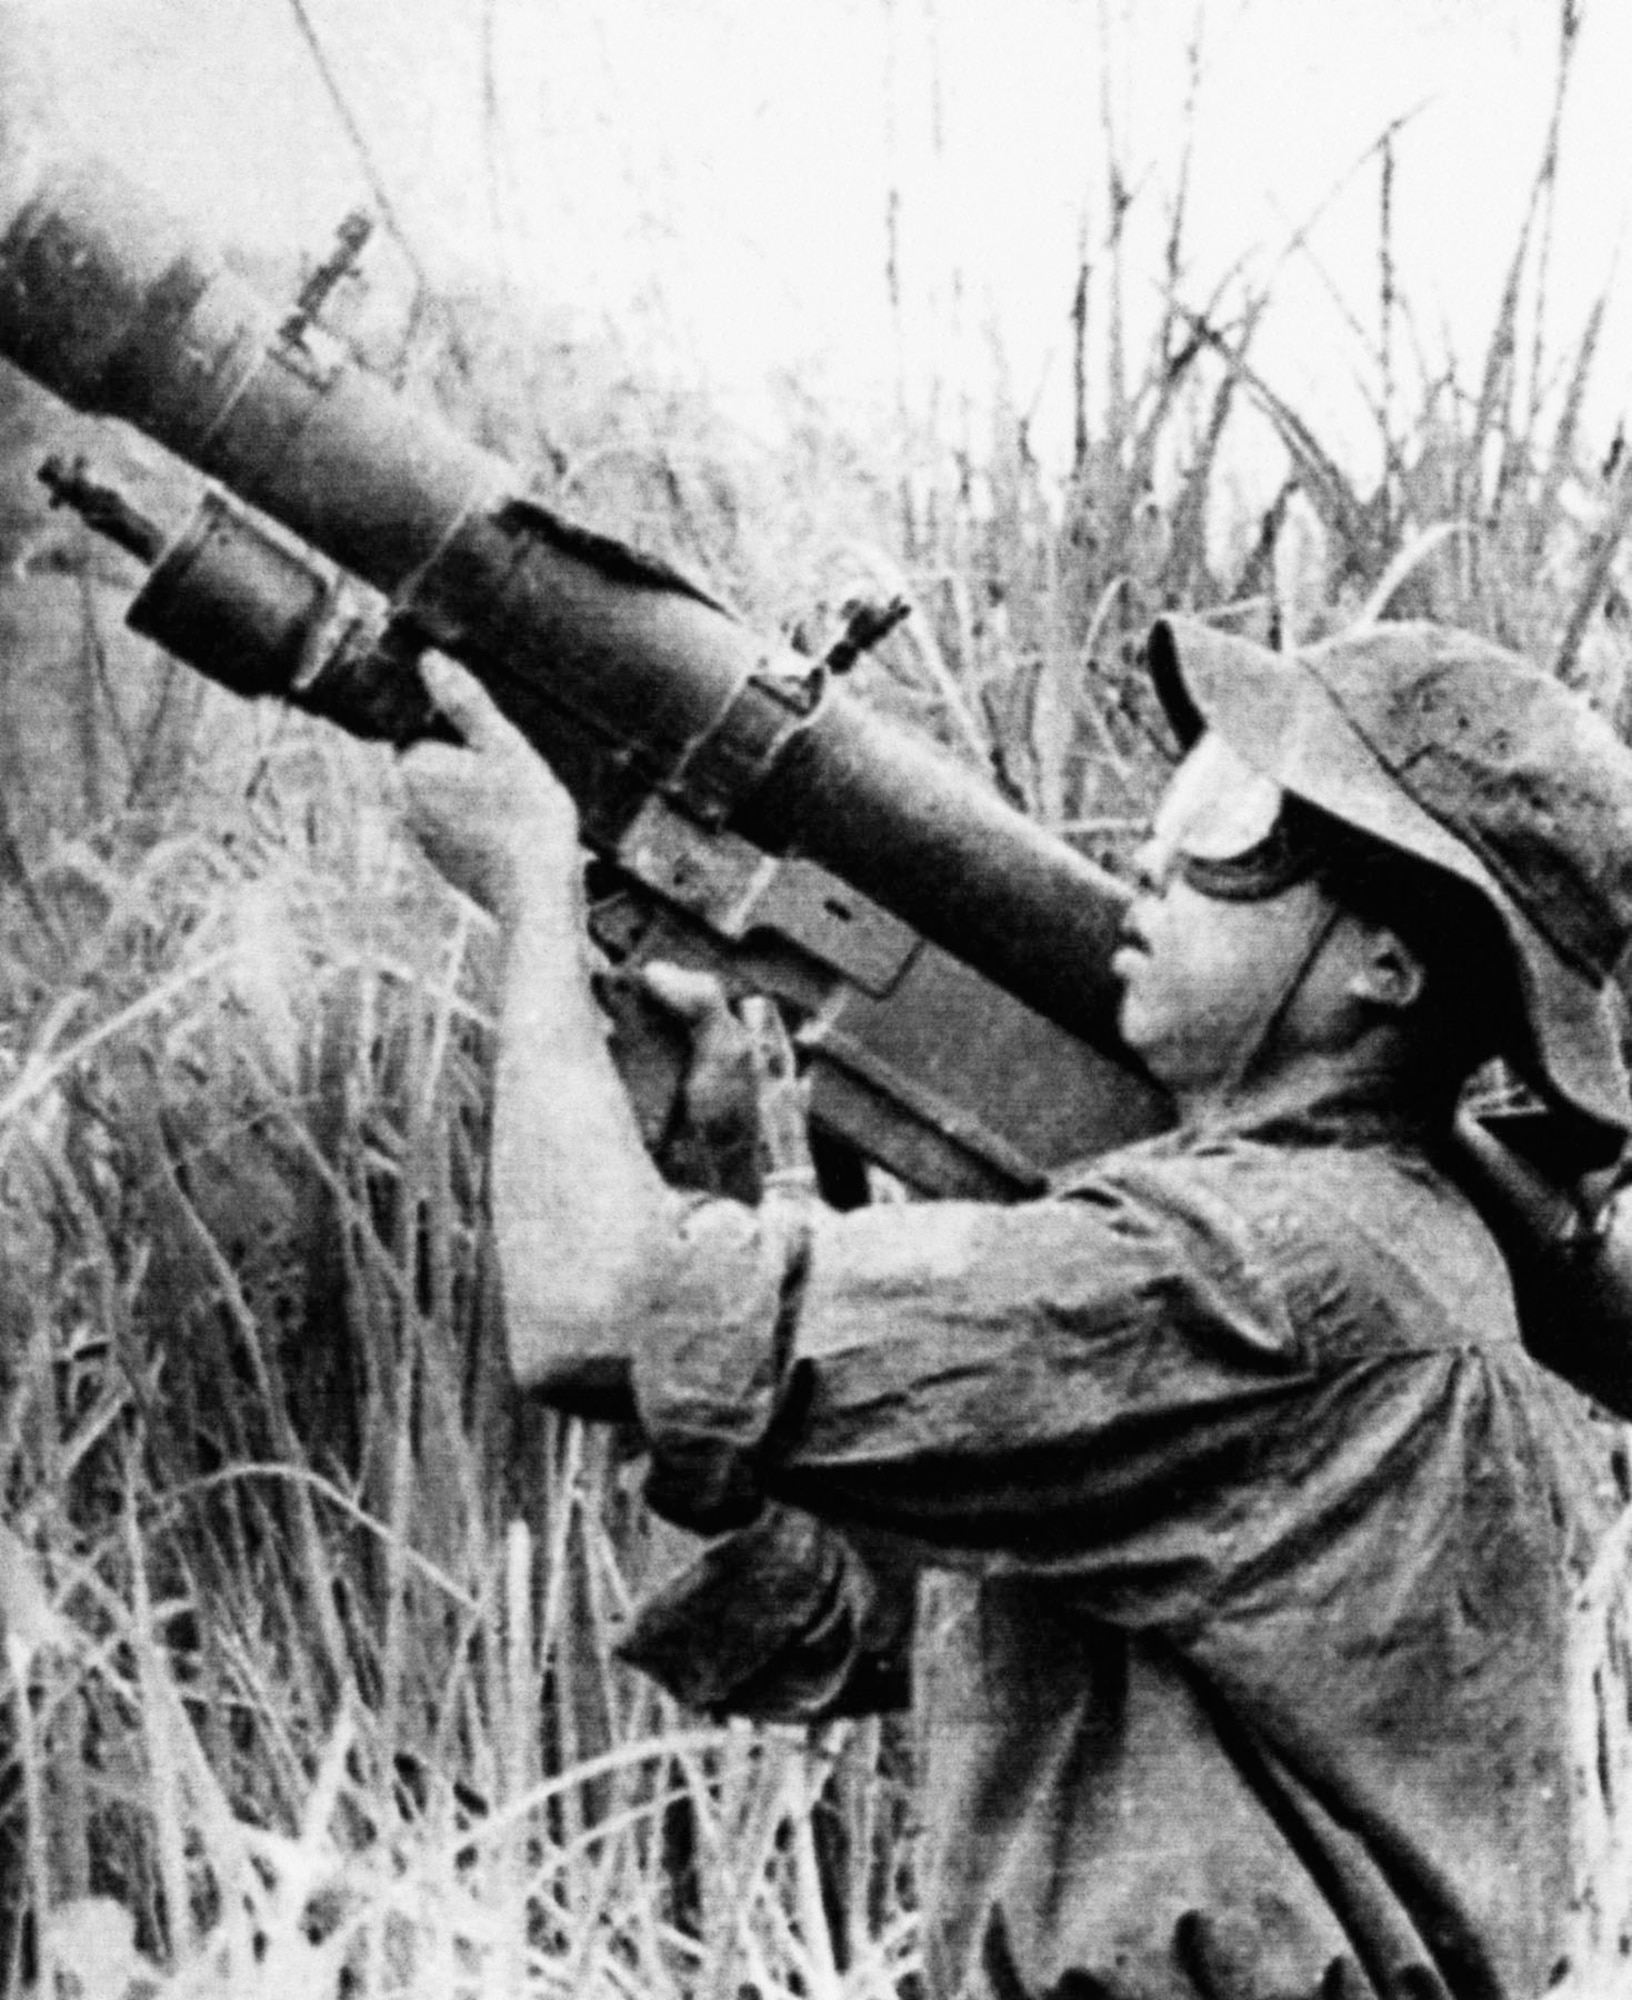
x=744, y=1129
x=488, y=810
x=715, y=1143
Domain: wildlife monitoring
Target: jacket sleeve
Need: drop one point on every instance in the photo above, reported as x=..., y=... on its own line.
x=784, y=1621
x=1075, y=1386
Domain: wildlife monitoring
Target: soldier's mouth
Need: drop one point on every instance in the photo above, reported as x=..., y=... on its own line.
x=1132, y=947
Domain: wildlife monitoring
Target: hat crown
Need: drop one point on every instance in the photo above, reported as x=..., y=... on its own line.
x=1509, y=763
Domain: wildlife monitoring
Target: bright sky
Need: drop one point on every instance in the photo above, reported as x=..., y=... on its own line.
x=712, y=175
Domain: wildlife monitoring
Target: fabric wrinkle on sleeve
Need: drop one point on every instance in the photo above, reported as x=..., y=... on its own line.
x=710, y=1369
x=1077, y=1387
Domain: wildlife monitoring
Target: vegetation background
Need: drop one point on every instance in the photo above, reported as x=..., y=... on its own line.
x=308, y=1622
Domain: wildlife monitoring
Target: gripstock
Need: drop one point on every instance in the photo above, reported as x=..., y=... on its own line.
x=947, y=960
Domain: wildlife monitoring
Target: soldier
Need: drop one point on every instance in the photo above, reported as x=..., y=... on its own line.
x=1245, y=1529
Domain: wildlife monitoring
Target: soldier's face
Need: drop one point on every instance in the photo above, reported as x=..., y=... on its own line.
x=1219, y=936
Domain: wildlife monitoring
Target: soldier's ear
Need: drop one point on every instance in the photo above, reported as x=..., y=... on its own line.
x=1386, y=972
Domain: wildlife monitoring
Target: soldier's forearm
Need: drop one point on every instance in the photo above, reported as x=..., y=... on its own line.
x=581, y=1215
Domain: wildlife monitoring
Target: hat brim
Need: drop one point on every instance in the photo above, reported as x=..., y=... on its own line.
x=1281, y=719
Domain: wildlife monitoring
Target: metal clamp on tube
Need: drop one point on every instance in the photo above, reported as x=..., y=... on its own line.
x=743, y=748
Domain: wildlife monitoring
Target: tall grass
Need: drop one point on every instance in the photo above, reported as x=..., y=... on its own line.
x=310, y=1622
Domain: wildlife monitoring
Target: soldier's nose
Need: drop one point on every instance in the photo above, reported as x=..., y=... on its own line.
x=1153, y=865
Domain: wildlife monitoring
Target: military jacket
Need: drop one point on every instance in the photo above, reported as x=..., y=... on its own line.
x=1268, y=1594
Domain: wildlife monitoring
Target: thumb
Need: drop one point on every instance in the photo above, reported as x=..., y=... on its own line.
x=698, y=998
x=461, y=697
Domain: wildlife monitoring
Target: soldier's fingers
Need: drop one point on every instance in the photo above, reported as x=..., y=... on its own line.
x=434, y=775
x=463, y=700
x=431, y=759
x=697, y=997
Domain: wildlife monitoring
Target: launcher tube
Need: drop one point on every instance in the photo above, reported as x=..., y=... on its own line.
x=120, y=309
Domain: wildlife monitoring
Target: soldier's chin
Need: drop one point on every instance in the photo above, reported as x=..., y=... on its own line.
x=1134, y=1023
x=1155, y=1039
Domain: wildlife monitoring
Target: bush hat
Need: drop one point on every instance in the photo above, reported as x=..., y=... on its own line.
x=1460, y=753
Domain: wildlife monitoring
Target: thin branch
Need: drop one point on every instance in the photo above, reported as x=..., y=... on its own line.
x=500, y=184
x=359, y=142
